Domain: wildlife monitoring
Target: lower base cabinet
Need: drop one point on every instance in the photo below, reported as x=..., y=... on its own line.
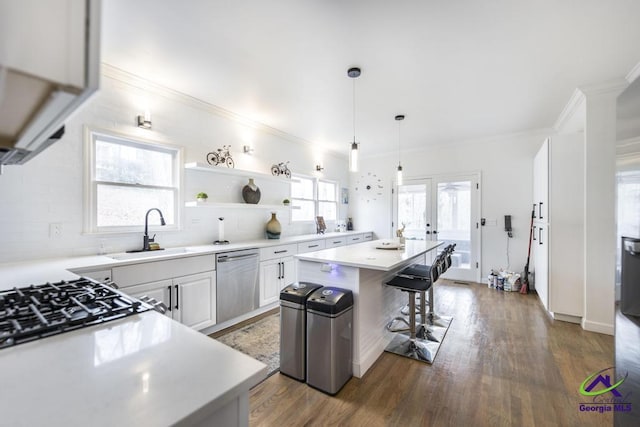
x=191, y=300
x=275, y=275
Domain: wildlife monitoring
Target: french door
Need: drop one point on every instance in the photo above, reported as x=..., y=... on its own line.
x=445, y=208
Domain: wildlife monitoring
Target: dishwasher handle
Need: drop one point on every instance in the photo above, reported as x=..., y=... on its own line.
x=227, y=258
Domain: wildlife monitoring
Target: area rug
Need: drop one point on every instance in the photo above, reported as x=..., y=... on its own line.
x=260, y=340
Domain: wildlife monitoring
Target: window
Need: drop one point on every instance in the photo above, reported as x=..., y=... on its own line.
x=313, y=197
x=127, y=178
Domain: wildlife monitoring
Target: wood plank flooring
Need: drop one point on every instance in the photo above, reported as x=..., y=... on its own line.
x=504, y=362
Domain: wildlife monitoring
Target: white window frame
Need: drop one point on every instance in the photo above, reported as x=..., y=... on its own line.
x=315, y=200
x=335, y=197
x=91, y=184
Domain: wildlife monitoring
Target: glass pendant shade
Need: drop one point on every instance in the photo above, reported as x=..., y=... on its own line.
x=353, y=158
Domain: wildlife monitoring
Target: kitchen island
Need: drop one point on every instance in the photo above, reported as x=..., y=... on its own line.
x=144, y=369
x=363, y=268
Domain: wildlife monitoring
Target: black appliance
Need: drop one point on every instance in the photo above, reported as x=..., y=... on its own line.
x=39, y=311
x=630, y=277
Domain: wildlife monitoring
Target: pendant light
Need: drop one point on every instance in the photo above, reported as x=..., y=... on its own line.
x=353, y=154
x=399, y=119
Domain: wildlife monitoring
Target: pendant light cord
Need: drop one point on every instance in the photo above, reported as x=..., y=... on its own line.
x=399, y=124
x=354, y=110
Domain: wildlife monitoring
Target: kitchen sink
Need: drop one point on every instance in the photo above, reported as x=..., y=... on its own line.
x=148, y=254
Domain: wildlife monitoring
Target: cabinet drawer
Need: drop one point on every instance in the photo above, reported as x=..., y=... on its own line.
x=335, y=242
x=279, y=251
x=355, y=238
x=367, y=236
x=153, y=271
x=314, y=245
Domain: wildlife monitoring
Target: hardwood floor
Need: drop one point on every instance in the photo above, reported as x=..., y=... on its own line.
x=504, y=362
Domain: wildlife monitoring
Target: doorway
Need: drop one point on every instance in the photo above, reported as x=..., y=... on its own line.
x=445, y=208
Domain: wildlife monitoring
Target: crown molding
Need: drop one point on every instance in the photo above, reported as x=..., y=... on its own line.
x=633, y=74
x=541, y=133
x=612, y=87
x=141, y=83
x=573, y=114
x=572, y=118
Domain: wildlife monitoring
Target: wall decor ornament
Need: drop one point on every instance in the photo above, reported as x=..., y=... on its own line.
x=281, y=169
x=221, y=156
x=273, y=227
x=251, y=193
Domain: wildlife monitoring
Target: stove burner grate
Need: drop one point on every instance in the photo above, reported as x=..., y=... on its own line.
x=34, y=312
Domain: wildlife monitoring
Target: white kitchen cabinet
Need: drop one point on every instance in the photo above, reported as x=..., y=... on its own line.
x=311, y=246
x=186, y=285
x=152, y=271
x=275, y=274
x=559, y=225
x=355, y=238
x=277, y=270
x=335, y=242
x=190, y=300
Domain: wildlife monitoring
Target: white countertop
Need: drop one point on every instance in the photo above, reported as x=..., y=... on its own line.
x=365, y=255
x=142, y=370
x=18, y=274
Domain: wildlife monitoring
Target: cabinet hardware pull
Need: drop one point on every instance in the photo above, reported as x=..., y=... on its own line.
x=280, y=252
x=335, y=243
x=355, y=238
x=313, y=246
x=170, y=298
x=177, y=298
x=540, y=210
x=540, y=235
x=281, y=266
x=534, y=210
x=534, y=233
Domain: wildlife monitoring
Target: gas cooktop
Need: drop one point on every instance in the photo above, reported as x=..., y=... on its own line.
x=39, y=311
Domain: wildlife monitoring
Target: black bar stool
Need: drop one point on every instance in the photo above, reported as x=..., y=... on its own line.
x=413, y=347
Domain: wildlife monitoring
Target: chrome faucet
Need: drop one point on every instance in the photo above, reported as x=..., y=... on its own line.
x=146, y=238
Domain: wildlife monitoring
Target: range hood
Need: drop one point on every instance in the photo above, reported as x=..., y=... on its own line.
x=35, y=101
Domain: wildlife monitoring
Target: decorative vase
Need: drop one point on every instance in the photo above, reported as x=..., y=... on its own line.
x=273, y=227
x=349, y=224
x=251, y=193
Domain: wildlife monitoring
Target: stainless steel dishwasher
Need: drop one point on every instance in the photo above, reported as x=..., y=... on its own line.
x=238, y=289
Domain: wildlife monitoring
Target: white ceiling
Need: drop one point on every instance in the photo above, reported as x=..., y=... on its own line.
x=458, y=69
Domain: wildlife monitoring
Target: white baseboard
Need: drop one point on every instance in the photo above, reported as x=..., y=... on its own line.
x=567, y=318
x=602, y=328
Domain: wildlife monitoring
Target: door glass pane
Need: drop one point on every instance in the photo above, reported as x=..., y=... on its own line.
x=412, y=205
x=454, y=219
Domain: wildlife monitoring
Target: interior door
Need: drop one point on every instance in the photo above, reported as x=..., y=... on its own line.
x=456, y=216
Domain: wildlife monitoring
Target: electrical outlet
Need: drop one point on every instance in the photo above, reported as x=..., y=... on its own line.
x=55, y=230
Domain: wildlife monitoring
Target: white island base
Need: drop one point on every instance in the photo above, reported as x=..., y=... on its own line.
x=363, y=269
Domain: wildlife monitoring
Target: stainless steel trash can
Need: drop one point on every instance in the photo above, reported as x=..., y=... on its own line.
x=329, y=339
x=293, y=328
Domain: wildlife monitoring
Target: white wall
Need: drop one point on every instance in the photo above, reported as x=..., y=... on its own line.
x=506, y=167
x=50, y=188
